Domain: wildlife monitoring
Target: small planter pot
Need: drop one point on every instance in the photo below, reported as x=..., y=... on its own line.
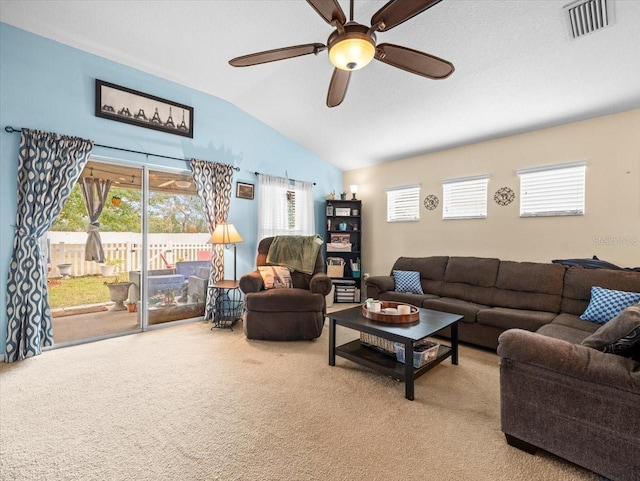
x=131, y=307
x=65, y=270
x=118, y=293
x=107, y=270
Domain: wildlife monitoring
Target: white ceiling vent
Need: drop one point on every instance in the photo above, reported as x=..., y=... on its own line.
x=588, y=16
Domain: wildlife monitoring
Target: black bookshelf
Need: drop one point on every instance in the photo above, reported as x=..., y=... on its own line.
x=344, y=227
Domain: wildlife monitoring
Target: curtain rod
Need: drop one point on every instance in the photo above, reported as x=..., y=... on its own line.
x=12, y=130
x=293, y=180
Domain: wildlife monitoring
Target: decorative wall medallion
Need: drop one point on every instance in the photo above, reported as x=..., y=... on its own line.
x=431, y=202
x=504, y=196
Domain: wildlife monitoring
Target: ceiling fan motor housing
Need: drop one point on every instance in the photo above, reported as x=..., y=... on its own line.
x=352, y=49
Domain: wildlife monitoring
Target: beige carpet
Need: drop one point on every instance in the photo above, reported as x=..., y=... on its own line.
x=189, y=403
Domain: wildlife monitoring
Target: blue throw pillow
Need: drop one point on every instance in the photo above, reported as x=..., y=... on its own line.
x=605, y=304
x=408, y=281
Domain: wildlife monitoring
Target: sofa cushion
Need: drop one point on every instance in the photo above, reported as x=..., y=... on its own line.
x=574, y=322
x=275, y=277
x=578, y=282
x=405, y=297
x=431, y=271
x=284, y=300
x=529, y=286
x=566, y=333
x=407, y=281
x=616, y=328
x=471, y=279
x=475, y=271
x=605, y=304
x=455, y=306
x=506, y=318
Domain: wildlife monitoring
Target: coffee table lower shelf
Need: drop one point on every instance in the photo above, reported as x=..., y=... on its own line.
x=386, y=364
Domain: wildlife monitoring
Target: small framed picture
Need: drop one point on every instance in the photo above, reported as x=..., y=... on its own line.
x=244, y=190
x=343, y=211
x=329, y=210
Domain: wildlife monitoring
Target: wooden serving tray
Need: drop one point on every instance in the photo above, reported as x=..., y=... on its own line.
x=413, y=316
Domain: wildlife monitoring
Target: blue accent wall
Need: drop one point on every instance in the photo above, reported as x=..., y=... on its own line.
x=49, y=86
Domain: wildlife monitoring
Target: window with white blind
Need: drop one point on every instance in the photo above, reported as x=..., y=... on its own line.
x=552, y=190
x=403, y=203
x=465, y=198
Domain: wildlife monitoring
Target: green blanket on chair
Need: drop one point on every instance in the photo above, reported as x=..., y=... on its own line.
x=297, y=252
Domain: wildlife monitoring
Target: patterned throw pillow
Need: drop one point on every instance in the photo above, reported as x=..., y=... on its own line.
x=617, y=328
x=605, y=304
x=408, y=281
x=275, y=277
x=627, y=346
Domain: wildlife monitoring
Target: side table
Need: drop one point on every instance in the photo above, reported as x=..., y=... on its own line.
x=228, y=305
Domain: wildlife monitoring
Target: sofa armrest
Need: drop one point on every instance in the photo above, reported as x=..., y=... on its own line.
x=376, y=285
x=251, y=282
x=569, y=359
x=320, y=283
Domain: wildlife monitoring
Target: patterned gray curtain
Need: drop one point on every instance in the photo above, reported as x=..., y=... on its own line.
x=95, y=193
x=48, y=167
x=213, y=183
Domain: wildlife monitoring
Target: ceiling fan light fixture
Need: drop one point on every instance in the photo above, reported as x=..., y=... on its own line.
x=352, y=51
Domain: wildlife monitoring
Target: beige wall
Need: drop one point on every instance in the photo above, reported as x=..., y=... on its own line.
x=609, y=229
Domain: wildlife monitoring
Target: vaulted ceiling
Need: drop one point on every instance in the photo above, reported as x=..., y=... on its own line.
x=515, y=67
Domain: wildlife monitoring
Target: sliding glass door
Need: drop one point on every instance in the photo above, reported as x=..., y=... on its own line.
x=177, y=250
x=101, y=220
x=148, y=229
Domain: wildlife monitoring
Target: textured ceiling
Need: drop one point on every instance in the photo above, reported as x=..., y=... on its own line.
x=516, y=69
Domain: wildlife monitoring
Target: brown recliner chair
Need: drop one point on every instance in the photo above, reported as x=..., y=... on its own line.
x=285, y=314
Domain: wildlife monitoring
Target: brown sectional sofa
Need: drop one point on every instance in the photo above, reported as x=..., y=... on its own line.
x=556, y=394
x=495, y=295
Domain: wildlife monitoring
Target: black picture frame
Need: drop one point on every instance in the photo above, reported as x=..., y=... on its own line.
x=244, y=190
x=122, y=104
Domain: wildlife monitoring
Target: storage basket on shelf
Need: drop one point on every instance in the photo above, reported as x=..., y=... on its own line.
x=423, y=352
x=377, y=343
x=335, y=266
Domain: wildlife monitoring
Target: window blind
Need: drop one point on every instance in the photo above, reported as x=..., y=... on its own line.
x=553, y=190
x=403, y=203
x=465, y=198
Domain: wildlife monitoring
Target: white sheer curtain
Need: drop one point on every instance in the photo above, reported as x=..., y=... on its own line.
x=275, y=202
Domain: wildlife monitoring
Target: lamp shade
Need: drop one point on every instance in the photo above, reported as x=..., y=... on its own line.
x=354, y=188
x=225, y=233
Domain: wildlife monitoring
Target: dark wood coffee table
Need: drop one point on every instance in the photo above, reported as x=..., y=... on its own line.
x=430, y=322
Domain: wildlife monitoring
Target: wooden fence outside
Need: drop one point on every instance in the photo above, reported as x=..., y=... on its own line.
x=125, y=250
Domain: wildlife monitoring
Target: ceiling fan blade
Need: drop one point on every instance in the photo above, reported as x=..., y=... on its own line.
x=398, y=11
x=330, y=10
x=277, y=54
x=338, y=87
x=413, y=61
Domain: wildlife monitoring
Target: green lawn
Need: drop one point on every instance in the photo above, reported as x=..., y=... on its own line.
x=77, y=291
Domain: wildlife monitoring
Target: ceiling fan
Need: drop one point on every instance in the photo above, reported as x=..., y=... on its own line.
x=352, y=45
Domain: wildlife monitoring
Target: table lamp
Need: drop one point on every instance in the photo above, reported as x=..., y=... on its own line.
x=225, y=233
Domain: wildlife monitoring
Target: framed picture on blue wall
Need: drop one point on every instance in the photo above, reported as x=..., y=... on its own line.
x=244, y=190
x=122, y=104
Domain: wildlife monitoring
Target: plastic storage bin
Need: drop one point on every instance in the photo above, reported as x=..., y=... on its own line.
x=422, y=353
